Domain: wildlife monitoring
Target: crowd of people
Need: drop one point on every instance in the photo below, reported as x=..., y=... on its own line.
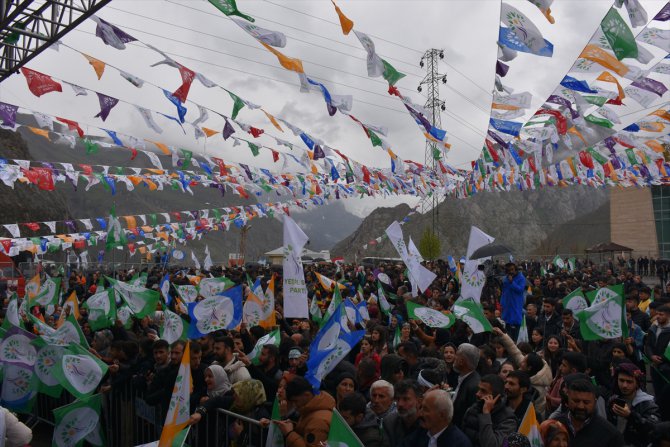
x=429, y=387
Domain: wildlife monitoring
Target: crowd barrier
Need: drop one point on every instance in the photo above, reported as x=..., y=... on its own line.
x=127, y=420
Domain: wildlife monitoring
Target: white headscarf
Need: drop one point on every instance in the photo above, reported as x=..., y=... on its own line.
x=221, y=381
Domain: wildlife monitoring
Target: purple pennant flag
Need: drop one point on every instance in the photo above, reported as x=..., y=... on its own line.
x=501, y=69
x=318, y=152
x=247, y=171
x=555, y=99
x=8, y=114
x=103, y=30
x=71, y=225
x=497, y=139
x=610, y=143
x=228, y=130
x=651, y=85
x=220, y=187
x=664, y=14
x=107, y=103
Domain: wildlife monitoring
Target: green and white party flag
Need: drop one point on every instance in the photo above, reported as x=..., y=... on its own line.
x=271, y=338
x=602, y=294
x=16, y=347
x=575, y=301
x=334, y=304
x=47, y=358
x=173, y=328
x=187, y=293
x=78, y=422
x=618, y=35
x=116, y=235
x=431, y=317
x=140, y=300
x=471, y=313
x=101, y=309
x=48, y=294
x=124, y=315
x=275, y=437
x=19, y=387
x=340, y=434
x=572, y=263
x=315, y=311
x=543, y=271
x=523, y=332
x=139, y=279
x=214, y=286
x=79, y=372
x=396, y=337
x=229, y=8
x=383, y=302
x=12, y=314
x=667, y=352
x=69, y=332
x=558, y=262
x=605, y=319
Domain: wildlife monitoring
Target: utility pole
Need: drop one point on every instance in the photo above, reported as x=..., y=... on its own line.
x=433, y=107
x=243, y=241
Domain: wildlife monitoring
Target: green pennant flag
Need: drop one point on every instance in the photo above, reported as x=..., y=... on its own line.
x=315, y=311
x=124, y=315
x=91, y=147
x=471, y=313
x=384, y=305
x=238, y=104
x=12, y=318
x=69, y=332
x=597, y=156
x=275, y=437
x=13, y=37
x=229, y=8
x=632, y=159
x=79, y=372
x=47, y=357
x=141, y=301
x=558, y=262
x=334, y=304
x=431, y=317
x=271, y=338
x=374, y=138
x=606, y=317
x=599, y=121
x=667, y=352
x=618, y=35
x=341, y=434
x=575, y=301
x=79, y=422
x=116, y=235
x=101, y=309
x=154, y=219
x=391, y=74
x=487, y=155
x=523, y=332
x=188, y=155
x=254, y=148
x=572, y=263
x=396, y=337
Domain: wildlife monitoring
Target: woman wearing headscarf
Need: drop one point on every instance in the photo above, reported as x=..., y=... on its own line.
x=248, y=400
x=554, y=434
x=218, y=396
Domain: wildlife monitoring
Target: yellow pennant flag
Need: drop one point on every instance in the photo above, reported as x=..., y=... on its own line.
x=164, y=149
x=655, y=146
x=606, y=76
x=42, y=132
x=662, y=113
x=273, y=121
x=288, y=63
x=73, y=303
x=269, y=319
x=599, y=56
x=178, y=412
x=131, y=222
x=98, y=65
x=346, y=23
x=209, y=132
x=33, y=287
x=328, y=283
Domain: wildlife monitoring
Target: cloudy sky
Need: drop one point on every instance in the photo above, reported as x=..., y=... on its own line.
x=197, y=35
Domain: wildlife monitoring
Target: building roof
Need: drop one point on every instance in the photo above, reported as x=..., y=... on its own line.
x=607, y=247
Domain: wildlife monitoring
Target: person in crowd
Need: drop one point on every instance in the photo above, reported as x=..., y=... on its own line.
x=224, y=353
x=512, y=299
x=393, y=368
x=405, y=421
x=537, y=340
x=549, y=321
x=160, y=384
x=367, y=351
x=658, y=338
x=585, y=427
x=519, y=393
x=353, y=408
x=345, y=384
x=267, y=370
x=467, y=358
x=553, y=352
x=571, y=363
x=315, y=410
x=410, y=354
x=554, y=434
x=639, y=317
x=248, y=400
x=489, y=420
x=449, y=356
x=630, y=409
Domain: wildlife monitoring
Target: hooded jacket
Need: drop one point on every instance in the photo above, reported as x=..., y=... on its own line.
x=489, y=430
x=640, y=424
x=314, y=422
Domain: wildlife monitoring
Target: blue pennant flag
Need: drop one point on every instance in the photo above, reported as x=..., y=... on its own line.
x=181, y=110
x=508, y=127
x=222, y=311
x=308, y=141
x=326, y=97
x=101, y=222
x=113, y=136
x=632, y=128
x=175, y=120
x=577, y=85
x=507, y=37
x=165, y=288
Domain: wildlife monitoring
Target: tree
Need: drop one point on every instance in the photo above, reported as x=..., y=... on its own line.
x=429, y=245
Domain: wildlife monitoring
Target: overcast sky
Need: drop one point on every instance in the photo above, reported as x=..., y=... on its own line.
x=201, y=38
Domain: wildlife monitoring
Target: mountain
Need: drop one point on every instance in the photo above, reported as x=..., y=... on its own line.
x=326, y=225
x=546, y=221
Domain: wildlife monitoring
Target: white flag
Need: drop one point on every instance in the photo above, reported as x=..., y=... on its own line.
x=195, y=261
x=295, y=290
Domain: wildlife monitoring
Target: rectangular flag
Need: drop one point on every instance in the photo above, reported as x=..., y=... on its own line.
x=471, y=313
x=605, y=319
x=341, y=434
x=530, y=427
x=431, y=317
x=271, y=338
x=179, y=410
x=295, y=290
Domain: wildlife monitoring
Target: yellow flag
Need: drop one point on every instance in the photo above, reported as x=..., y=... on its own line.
x=607, y=77
x=33, y=287
x=178, y=411
x=288, y=63
x=131, y=222
x=599, y=56
x=42, y=132
x=73, y=303
x=98, y=65
x=209, y=132
x=662, y=113
x=273, y=121
x=346, y=23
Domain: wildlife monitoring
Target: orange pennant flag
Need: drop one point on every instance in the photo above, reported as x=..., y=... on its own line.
x=73, y=303
x=662, y=113
x=346, y=23
x=273, y=121
x=164, y=149
x=651, y=126
x=42, y=132
x=599, y=56
x=607, y=77
x=499, y=106
x=130, y=222
x=98, y=65
x=573, y=130
x=209, y=132
x=655, y=146
x=288, y=63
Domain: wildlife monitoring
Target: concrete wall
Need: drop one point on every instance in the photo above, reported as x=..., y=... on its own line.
x=632, y=220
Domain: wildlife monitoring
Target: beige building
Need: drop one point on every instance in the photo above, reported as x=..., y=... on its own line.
x=635, y=214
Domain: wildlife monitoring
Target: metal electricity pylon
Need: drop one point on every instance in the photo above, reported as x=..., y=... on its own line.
x=27, y=27
x=433, y=107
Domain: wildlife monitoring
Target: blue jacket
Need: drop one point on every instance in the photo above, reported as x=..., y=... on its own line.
x=512, y=299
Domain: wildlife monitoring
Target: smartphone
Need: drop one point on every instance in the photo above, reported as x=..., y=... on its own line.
x=619, y=402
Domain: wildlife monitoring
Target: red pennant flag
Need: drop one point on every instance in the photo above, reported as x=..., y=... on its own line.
x=88, y=169
x=586, y=159
x=45, y=179
x=366, y=175
x=6, y=244
x=531, y=163
x=72, y=125
x=39, y=83
x=255, y=132
x=32, y=225
x=275, y=155
x=134, y=153
x=394, y=91
x=242, y=192
x=176, y=215
x=443, y=170
x=187, y=77
x=561, y=122
x=222, y=166
x=285, y=208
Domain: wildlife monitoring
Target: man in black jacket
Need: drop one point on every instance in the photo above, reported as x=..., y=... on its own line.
x=465, y=363
x=519, y=394
x=160, y=386
x=656, y=342
x=585, y=427
x=632, y=305
x=639, y=413
x=549, y=321
x=489, y=420
x=267, y=370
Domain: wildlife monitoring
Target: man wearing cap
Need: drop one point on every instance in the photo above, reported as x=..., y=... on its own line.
x=639, y=413
x=465, y=363
x=296, y=361
x=512, y=299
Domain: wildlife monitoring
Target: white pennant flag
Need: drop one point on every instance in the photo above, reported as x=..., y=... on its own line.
x=51, y=225
x=375, y=64
x=195, y=260
x=13, y=229
x=295, y=290
x=148, y=119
